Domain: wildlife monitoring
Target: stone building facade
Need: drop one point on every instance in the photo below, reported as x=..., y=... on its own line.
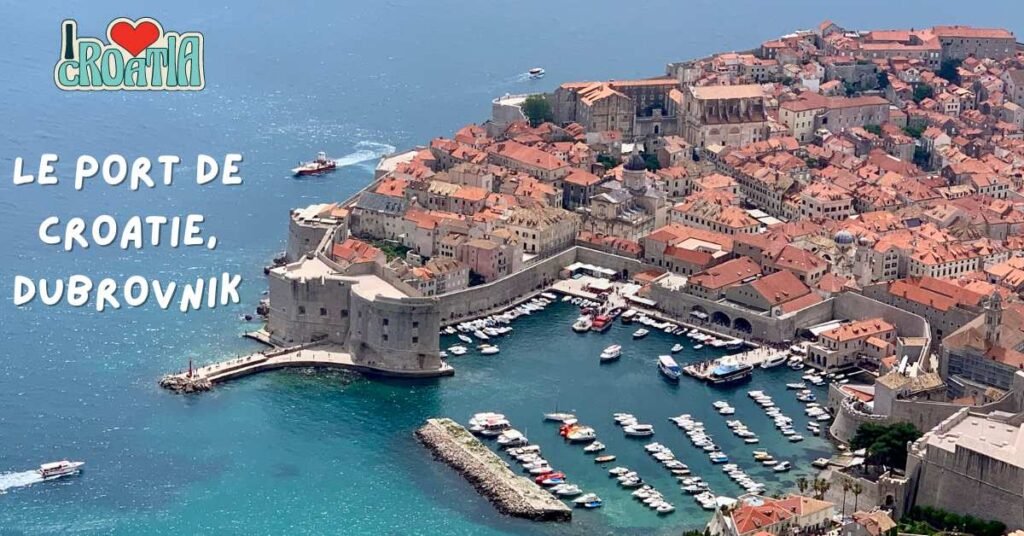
x=724, y=115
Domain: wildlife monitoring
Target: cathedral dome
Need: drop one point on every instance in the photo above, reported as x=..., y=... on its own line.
x=844, y=238
x=635, y=162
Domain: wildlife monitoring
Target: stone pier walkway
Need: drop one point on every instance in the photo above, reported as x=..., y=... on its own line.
x=327, y=356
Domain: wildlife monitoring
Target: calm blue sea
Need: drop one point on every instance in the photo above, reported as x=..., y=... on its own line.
x=324, y=453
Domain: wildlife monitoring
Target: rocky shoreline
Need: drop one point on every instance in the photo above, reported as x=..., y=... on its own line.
x=180, y=383
x=511, y=494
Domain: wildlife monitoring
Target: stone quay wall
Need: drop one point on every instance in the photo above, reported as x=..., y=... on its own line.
x=511, y=494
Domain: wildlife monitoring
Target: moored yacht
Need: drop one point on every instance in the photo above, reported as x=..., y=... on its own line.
x=774, y=361
x=730, y=373
x=640, y=333
x=559, y=417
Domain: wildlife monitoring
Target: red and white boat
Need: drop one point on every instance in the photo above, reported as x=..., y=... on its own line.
x=321, y=164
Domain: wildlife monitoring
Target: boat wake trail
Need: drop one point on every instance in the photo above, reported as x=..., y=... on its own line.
x=365, y=150
x=18, y=480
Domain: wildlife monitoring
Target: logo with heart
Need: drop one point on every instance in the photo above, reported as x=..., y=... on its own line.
x=138, y=55
x=135, y=37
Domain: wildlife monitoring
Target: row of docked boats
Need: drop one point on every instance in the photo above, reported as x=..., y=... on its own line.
x=782, y=422
x=530, y=460
x=481, y=331
x=693, y=484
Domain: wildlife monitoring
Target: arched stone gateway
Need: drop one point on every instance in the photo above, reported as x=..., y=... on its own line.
x=721, y=318
x=742, y=324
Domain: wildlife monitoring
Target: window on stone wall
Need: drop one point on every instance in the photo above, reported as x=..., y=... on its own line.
x=323, y=311
x=384, y=337
x=384, y=322
x=344, y=313
x=415, y=324
x=302, y=309
x=415, y=340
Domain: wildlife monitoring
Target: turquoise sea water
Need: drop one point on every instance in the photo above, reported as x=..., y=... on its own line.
x=318, y=453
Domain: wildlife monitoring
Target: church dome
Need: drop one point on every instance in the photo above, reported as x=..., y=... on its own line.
x=635, y=162
x=844, y=238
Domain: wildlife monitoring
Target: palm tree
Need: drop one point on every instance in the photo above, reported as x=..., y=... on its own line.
x=802, y=484
x=821, y=487
x=857, y=489
x=846, y=487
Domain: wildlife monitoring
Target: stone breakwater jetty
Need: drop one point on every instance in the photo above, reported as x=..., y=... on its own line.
x=490, y=475
x=310, y=355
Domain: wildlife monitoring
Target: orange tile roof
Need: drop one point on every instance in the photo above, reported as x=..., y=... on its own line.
x=354, y=251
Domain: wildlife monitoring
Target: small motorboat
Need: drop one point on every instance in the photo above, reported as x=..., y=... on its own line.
x=590, y=500
x=618, y=471
x=545, y=476
x=566, y=490
x=782, y=467
x=778, y=359
x=611, y=353
x=489, y=349
x=821, y=463
x=639, y=430
x=796, y=386
x=558, y=417
x=582, y=324
x=604, y=459
x=640, y=333
x=677, y=348
x=512, y=438
x=581, y=434
x=52, y=470
x=698, y=346
x=536, y=73
x=596, y=446
x=465, y=338
x=321, y=164
x=457, y=350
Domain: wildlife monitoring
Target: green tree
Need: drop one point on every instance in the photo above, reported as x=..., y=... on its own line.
x=846, y=488
x=537, y=109
x=883, y=79
x=913, y=131
x=885, y=444
x=857, y=488
x=874, y=129
x=922, y=92
x=948, y=70
x=802, y=484
x=921, y=157
x=651, y=161
x=607, y=161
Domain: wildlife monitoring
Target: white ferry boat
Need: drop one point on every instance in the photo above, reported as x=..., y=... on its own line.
x=59, y=469
x=668, y=367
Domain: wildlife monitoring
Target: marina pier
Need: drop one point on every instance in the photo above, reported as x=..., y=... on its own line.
x=753, y=357
x=490, y=475
x=303, y=356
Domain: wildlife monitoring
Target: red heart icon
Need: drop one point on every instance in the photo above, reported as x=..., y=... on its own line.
x=135, y=38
